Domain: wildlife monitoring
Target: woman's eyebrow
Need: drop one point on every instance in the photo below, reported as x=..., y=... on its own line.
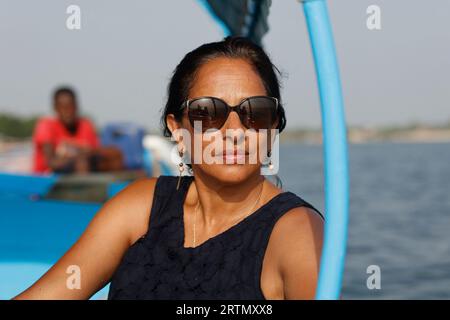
x=247, y=96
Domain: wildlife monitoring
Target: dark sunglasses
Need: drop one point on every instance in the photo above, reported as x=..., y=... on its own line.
x=258, y=112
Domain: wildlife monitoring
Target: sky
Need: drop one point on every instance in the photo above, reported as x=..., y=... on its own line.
x=121, y=59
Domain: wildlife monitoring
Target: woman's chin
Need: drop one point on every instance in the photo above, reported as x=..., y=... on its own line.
x=231, y=173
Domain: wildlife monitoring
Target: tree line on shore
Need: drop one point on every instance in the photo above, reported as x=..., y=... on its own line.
x=15, y=126
x=21, y=127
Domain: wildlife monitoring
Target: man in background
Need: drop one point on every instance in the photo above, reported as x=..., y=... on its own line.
x=68, y=143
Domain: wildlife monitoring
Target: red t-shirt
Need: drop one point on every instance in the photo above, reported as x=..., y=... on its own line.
x=52, y=130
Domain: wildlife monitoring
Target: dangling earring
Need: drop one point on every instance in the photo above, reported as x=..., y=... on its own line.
x=279, y=183
x=269, y=154
x=180, y=168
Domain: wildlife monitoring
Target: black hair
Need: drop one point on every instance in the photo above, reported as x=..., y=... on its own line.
x=231, y=47
x=64, y=90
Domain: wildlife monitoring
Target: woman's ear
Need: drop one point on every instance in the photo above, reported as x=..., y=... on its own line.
x=173, y=125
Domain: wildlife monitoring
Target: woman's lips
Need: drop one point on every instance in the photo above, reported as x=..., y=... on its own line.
x=233, y=158
x=237, y=156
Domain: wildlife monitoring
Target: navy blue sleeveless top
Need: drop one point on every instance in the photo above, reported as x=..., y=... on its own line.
x=226, y=266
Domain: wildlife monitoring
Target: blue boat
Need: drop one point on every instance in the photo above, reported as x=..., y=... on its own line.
x=41, y=216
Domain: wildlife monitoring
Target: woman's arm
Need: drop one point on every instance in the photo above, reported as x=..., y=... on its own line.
x=99, y=250
x=298, y=237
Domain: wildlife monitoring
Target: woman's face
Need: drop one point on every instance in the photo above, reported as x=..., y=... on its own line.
x=231, y=80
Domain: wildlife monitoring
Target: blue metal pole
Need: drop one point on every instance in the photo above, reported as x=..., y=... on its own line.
x=335, y=150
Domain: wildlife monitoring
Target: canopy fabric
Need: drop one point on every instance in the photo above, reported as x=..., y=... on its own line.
x=246, y=18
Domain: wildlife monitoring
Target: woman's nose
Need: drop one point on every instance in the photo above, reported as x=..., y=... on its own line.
x=233, y=130
x=233, y=121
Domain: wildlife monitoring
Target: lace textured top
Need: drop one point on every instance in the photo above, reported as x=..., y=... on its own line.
x=226, y=266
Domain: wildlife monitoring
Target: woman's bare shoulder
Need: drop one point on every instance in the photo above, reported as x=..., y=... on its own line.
x=133, y=205
x=296, y=244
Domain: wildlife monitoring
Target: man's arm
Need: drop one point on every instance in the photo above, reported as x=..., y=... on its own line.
x=54, y=161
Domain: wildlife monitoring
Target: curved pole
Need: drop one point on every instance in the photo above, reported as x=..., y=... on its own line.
x=334, y=147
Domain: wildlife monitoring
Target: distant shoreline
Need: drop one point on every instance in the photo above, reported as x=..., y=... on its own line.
x=314, y=137
x=358, y=135
x=16, y=129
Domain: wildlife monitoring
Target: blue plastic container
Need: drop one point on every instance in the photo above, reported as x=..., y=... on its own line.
x=128, y=138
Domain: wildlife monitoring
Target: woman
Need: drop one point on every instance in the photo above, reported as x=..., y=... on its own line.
x=224, y=232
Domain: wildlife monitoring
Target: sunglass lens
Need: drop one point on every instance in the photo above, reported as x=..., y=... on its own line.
x=259, y=112
x=212, y=113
